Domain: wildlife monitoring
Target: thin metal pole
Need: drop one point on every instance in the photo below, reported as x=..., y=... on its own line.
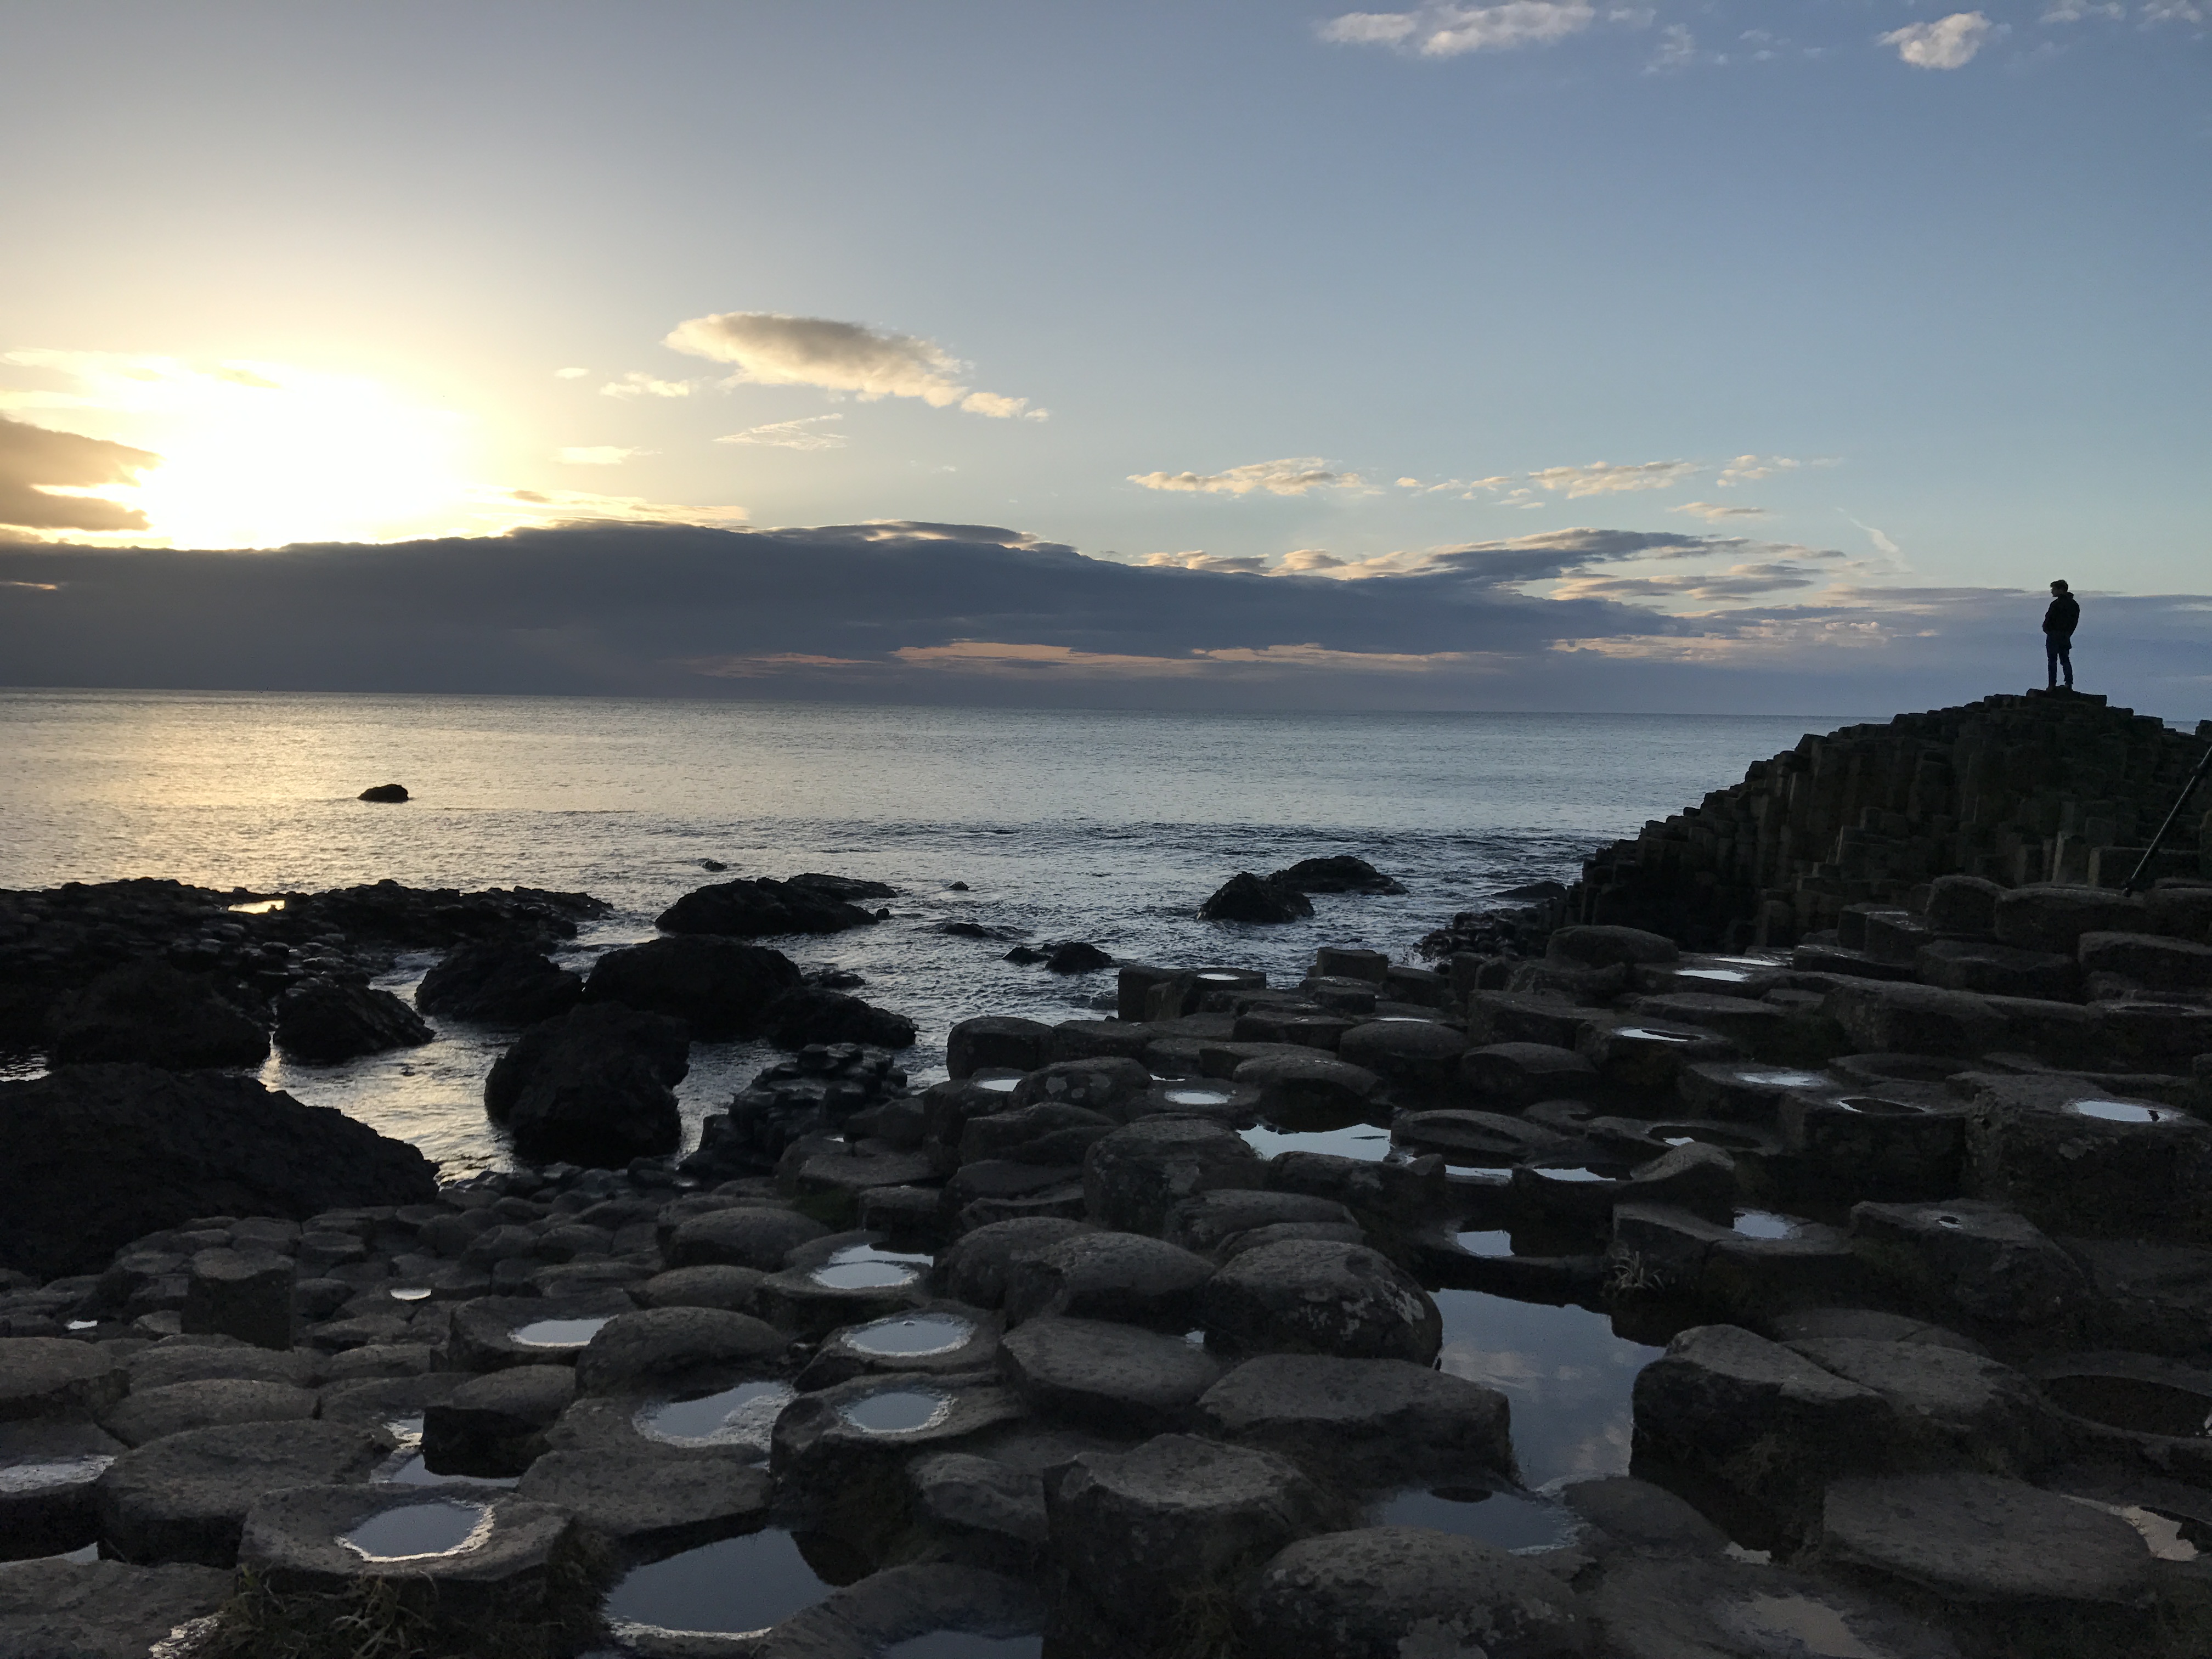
x=2203, y=765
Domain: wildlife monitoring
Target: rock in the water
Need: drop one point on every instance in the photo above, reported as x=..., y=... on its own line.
x=719, y=988
x=147, y=1013
x=1318, y=1296
x=184, y=1496
x=100, y=1155
x=596, y=1086
x=390, y=793
x=800, y=1016
x=1247, y=898
x=1147, y=1531
x=762, y=907
x=498, y=983
x=322, y=1020
x=1396, y=1592
x=1077, y=957
x=1340, y=874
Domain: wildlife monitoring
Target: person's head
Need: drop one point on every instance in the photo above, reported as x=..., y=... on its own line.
x=2058, y=590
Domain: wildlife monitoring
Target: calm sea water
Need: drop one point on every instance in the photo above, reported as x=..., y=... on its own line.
x=1109, y=827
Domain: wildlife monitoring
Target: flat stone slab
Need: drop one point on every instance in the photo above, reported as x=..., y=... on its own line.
x=1363, y=1418
x=148, y=1415
x=1978, y=1539
x=196, y=1359
x=51, y=1376
x=479, y=1544
x=49, y=1468
x=859, y=1429
x=491, y=1332
x=937, y=1603
x=1127, y=1277
x=1095, y=1372
x=652, y=1499
x=1312, y=1296
x=974, y=1268
x=184, y=1496
x=100, y=1609
x=1391, y=1592
x=652, y=1347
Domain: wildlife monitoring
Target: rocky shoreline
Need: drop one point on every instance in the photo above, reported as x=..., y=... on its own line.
x=1913, y=1186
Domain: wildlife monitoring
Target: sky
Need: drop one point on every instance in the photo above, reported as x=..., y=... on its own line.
x=1701, y=354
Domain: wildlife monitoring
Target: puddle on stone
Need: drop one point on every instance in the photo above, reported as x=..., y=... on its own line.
x=1567, y=1376
x=898, y=1411
x=1486, y=1243
x=1653, y=1033
x=1794, y=1623
x=734, y=1586
x=17, y=1478
x=1784, y=1079
x=1574, y=1174
x=865, y=1267
x=404, y=1428
x=998, y=1085
x=2122, y=1111
x=1222, y=979
x=256, y=907
x=1948, y=1221
x=743, y=1416
x=959, y=1645
x=1360, y=1141
x=405, y=1468
x=1198, y=1096
x=1726, y=976
x=1683, y=1134
x=409, y=1292
x=444, y=1526
x=1764, y=1223
x=912, y=1336
x=1509, y=1520
x=82, y=1325
x=557, y=1333
x=1196, y=1338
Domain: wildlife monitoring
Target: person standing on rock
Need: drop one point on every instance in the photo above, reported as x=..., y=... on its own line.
x=2059, y=625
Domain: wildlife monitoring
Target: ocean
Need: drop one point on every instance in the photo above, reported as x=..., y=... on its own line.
x=1109, y=827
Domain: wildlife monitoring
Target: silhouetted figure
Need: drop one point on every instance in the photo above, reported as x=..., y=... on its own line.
x=2058, y=625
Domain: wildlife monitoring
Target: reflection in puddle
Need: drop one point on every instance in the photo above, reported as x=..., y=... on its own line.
x=256, y=907
x=557, y=1333
x=1360, y=1141
x=913, y=1336
x=743, y=1416
x=1654, y=1034
x=1506, y=1519
x=1794, y=1623
x=865, y=1267
x=898, y=1411
x=735, y=1586
x=1579, y=1174
x=958, y=1644
x=1198, y=1096
x=1764, y=1223
x=1726, y=976
x=998, y=1085
x=443, y=1527
x=2121, y=1111
x=1784, y=1079
x=1567, y=1375
x=409, y=1292
x=1486, y=1243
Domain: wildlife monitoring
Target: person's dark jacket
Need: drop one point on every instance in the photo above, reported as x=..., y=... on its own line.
x=2064, y=615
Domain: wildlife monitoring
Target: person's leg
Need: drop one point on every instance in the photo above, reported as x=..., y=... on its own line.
x=2051, y=658
x=2066, y=658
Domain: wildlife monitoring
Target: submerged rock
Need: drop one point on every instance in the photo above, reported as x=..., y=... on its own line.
x=1340, y=874
x=596, y=1086
x=719, y=988
x=324, y=1020
x=761, y=907
x=1247, y=898
x=498, y=983
x=389, y=793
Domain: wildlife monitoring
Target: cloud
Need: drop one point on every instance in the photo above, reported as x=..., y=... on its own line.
x=1297, y=475
x=1948, y=43
x=1712, y=512
x=766, y=348
x=1882, y=542
x=2073, y=11
x=1739, y=581
x=1241, y=564
x=790, y=435
x=36, y=461
x=570, y=373
x=1599, y=478
x=1447, y=31
x=513, y=508
x=639, y=384
x=598, y=454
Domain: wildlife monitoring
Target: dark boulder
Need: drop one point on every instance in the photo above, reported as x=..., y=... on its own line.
x=798, y=1017
x=1077, y=957
x=147, y=1013
x=325, y=1020
x=100, y=1155
x=426, y=918
x=851, y=889
x=1247, y=898
x=596, y=1086
x=719, y=988
x=757, y=909
x=393, y=793
x=1340, y=874
x=498, y=982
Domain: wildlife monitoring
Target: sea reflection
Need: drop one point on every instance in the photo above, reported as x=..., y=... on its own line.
x=1567, y=1376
